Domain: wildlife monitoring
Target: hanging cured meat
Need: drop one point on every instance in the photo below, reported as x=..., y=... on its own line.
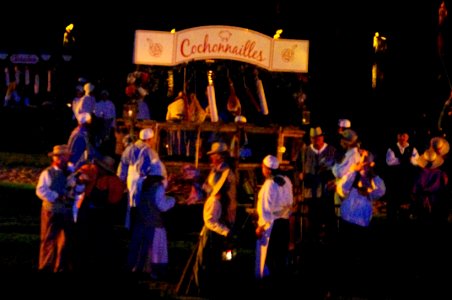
x=233, y=105
x=250, y=96
x=261, y=95
x=36, y=85
x=211, y=97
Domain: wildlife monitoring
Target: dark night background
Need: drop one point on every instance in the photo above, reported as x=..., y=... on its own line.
x=340, y=59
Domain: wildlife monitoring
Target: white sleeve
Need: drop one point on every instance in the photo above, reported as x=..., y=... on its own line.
x=43, y=190
x=391, y=159
x=379, y=189
x=414, y=157
x=344, y=185
x=212, y=214
x=264, y=205
x=162, y=201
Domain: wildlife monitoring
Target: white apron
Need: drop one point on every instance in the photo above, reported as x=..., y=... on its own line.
x=134, y=187
x=261, y=254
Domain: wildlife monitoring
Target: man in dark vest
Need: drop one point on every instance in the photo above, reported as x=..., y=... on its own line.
x=401, y=159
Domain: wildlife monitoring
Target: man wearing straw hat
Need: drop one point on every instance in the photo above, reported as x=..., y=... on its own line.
x=56, y=214
x=219, y=214
x=218, y=156
x=319, y=198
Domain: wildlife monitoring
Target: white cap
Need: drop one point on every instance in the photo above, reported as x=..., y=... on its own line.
x=345, y=123
x=271, y=162
x=240, y=119
x=146, y=134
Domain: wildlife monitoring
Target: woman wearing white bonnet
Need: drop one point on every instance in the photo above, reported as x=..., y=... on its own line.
x=148, y=248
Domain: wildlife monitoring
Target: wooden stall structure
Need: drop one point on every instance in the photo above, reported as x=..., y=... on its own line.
x=186, y=143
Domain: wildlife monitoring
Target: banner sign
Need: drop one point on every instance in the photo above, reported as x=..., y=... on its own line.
x=24, y=59
x=220, y=42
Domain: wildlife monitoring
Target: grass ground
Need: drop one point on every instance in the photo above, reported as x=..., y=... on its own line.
x=19, y=228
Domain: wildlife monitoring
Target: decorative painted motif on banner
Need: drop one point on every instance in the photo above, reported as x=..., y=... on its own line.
x=220, y=42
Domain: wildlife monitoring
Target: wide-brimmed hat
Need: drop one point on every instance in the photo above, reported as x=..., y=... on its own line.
x=218, y=147
x=60, y=150
x=349, y=136
x=146, y=134
x=107, y=163
x=440, y=145
x=271, y=162
x=314, y=132
x=429, y=159
x=344, y=123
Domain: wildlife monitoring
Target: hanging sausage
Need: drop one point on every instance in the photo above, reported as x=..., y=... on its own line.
x=211, y=97
x=27, y=76
x=261, y=94
x=36, y=85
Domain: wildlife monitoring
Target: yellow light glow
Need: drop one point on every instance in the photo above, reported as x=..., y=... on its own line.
x=227, y=255
x=379, y=42
x=70, y=27
x=374, y=76
x=173, y=30
x=278, y=34
x=210, y=77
